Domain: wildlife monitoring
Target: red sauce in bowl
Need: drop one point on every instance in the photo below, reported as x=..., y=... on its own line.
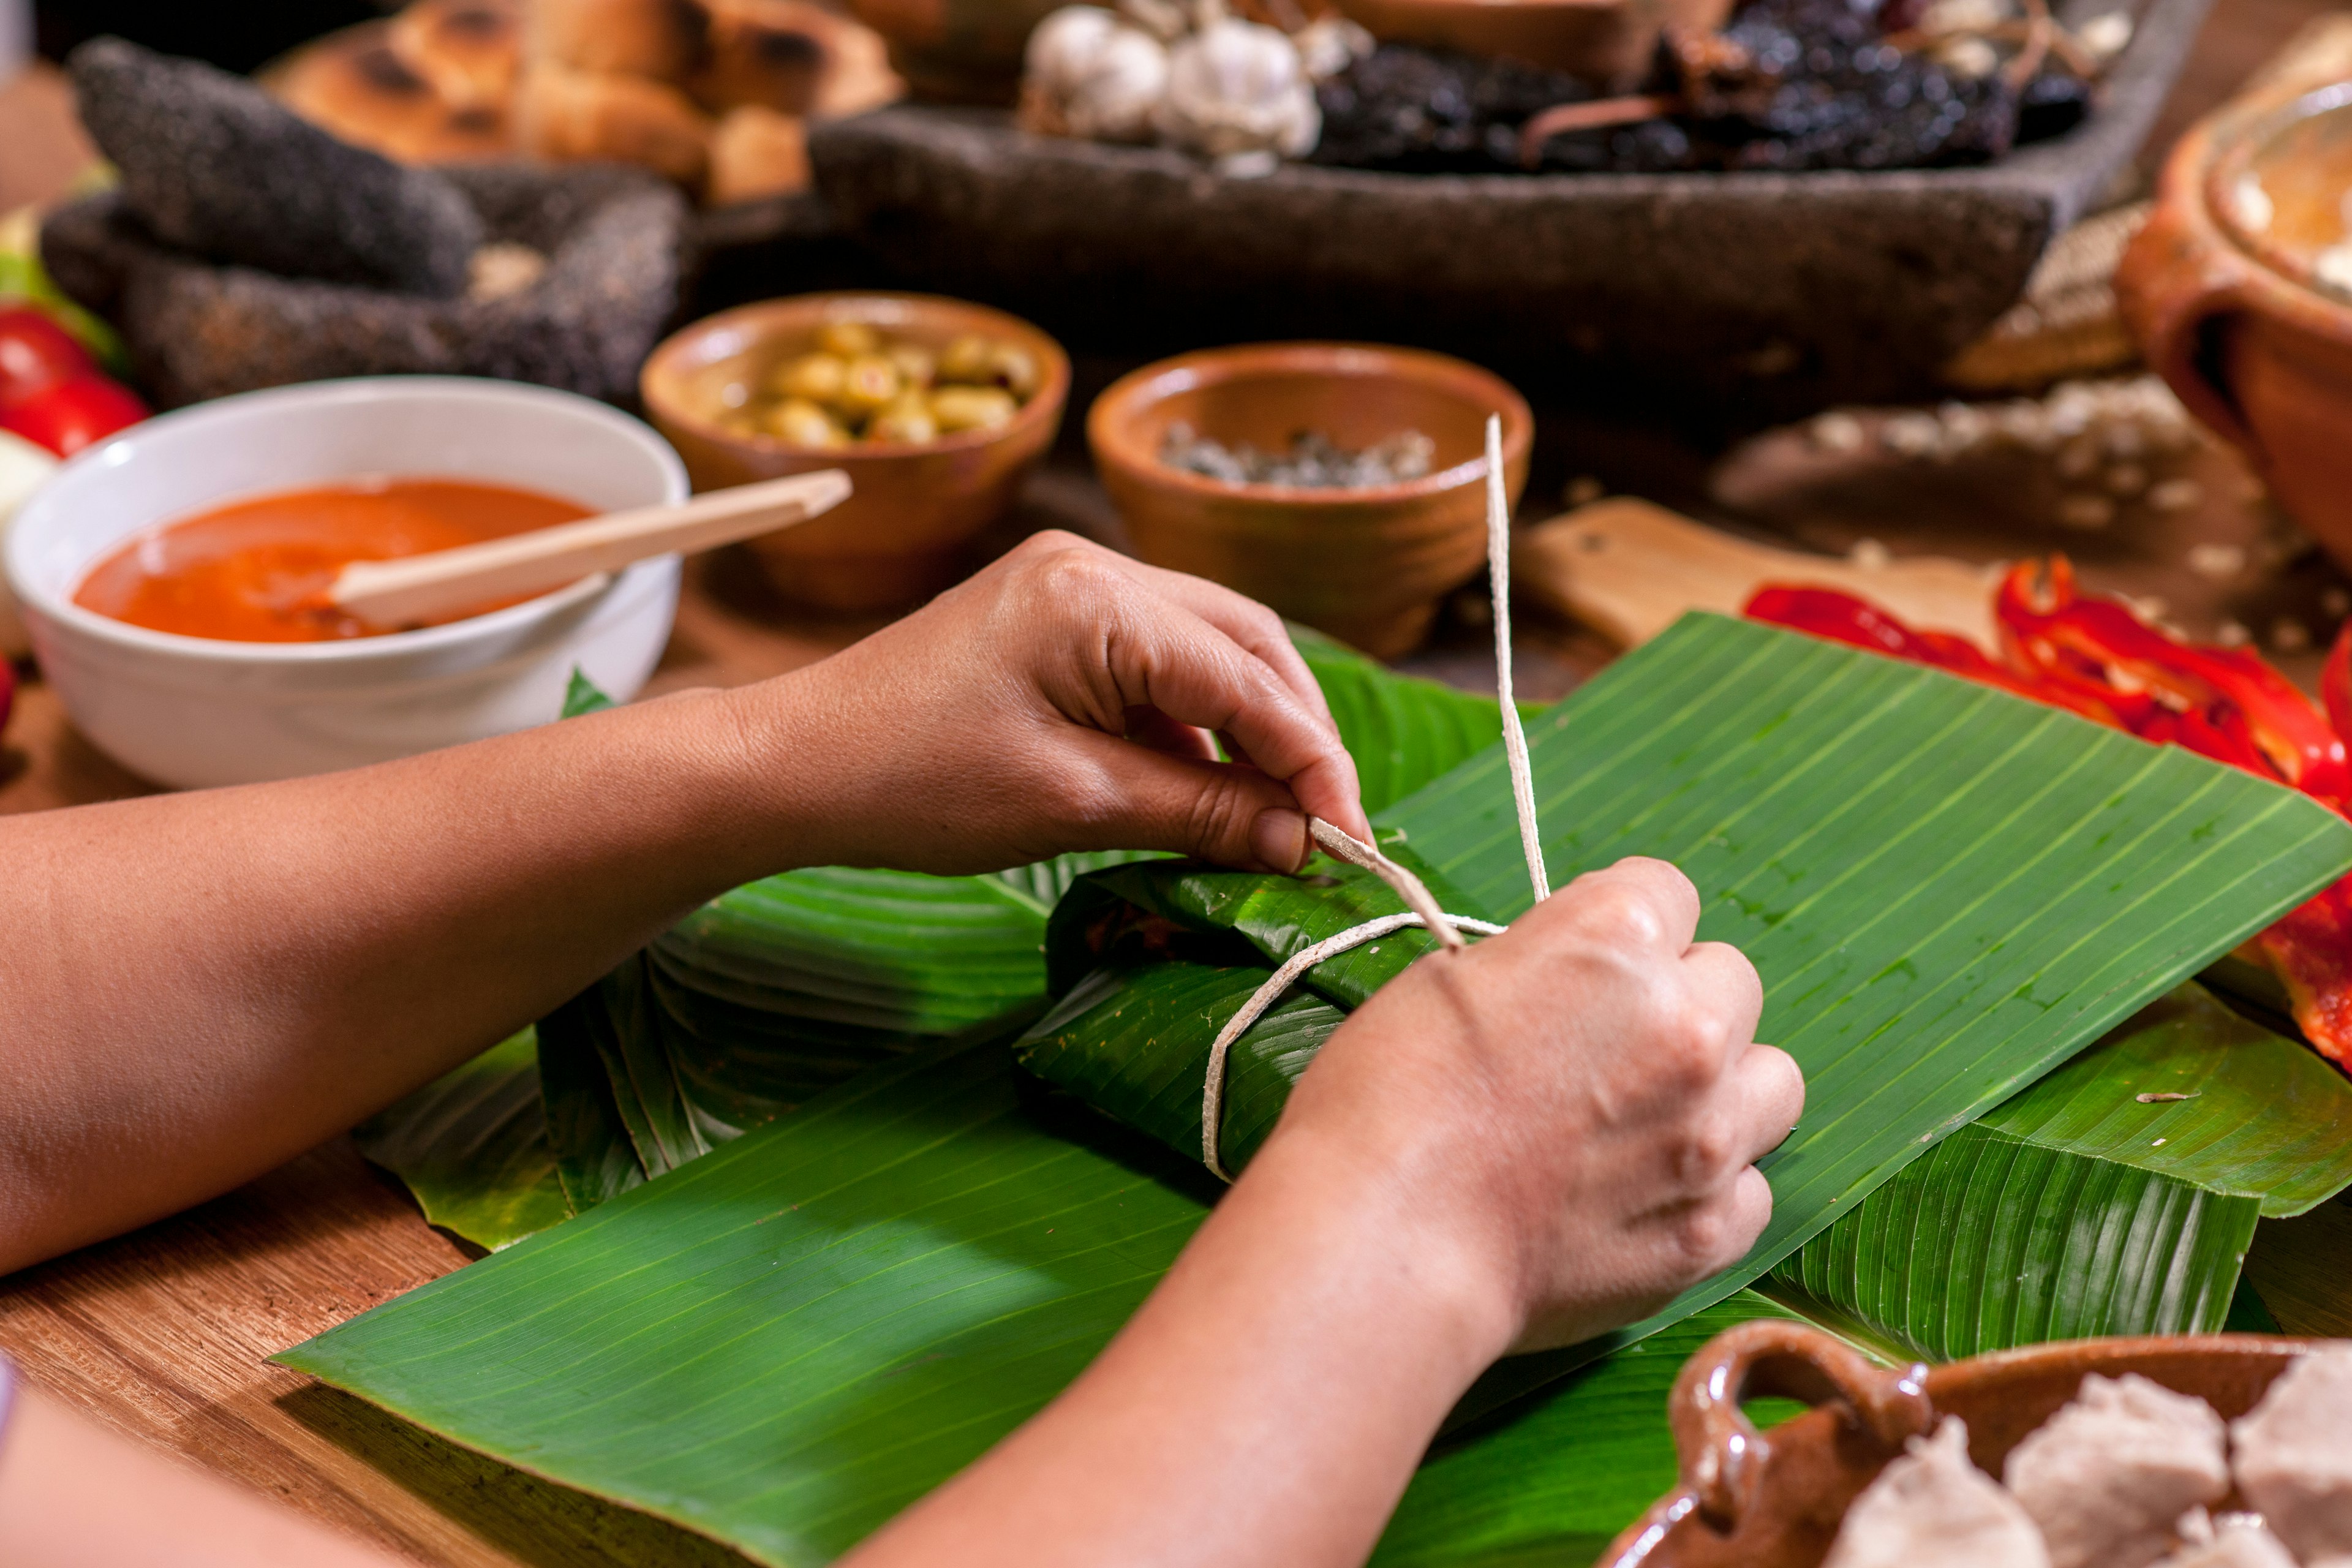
x=257, y=570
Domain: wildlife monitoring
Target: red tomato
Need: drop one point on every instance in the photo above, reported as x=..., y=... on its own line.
x=35, y=352
x=72, y=414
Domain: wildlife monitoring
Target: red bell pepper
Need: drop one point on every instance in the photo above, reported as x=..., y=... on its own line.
x=66, y=415
x=36, y=353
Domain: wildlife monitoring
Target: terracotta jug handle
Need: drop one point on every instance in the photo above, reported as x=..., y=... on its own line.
x=2178, y=279
x=1723, y=1454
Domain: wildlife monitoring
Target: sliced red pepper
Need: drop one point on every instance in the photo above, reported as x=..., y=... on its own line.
x=2336, y=683
x=2310, y=949
x=2226, y=703
x=1840, y=616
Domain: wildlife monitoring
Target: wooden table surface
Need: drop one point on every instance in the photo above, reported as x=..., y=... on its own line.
x=164, y=1334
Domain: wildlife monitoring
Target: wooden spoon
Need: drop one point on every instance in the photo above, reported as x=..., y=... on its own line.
x=417, y=588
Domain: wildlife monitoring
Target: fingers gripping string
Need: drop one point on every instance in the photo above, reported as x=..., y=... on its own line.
x=1342, y=845
x=1212, y=1093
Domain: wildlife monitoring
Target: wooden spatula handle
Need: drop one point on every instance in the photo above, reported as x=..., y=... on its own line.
x=421, y=587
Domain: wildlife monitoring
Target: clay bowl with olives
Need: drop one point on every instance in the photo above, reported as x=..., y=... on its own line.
x=1344, y=484
x=936, y=409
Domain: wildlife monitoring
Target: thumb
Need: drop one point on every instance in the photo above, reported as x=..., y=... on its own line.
x=1147, y=799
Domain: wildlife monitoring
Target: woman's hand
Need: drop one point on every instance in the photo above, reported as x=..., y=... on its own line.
x=1064, y=699
x=1575, y=1106
x=1520, y=1145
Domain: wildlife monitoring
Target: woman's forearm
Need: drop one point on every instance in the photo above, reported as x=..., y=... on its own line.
x=1265, y=1407
x=219, y=980
x=212, y=982
x=75, y=1495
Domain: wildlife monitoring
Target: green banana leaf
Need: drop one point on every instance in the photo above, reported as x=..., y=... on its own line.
x=2116, y=1197
x=783, y=1343
x=1401, y=730
x=472, y=1146
x=1555, y=1479
x=1945, y=890
x=729, y=1306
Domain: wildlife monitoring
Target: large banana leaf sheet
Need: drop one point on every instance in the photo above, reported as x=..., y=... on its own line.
x=1946, y=891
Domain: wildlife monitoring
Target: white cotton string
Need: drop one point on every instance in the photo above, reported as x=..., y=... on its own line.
x=1212, y=1093
x=1344, y=846
x=1515, y=738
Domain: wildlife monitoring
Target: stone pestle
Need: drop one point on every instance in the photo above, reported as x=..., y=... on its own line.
x=211, y=165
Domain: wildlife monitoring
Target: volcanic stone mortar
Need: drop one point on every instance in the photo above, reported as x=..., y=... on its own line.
x=215, y=168
x=1749, y=295
x=199, y=329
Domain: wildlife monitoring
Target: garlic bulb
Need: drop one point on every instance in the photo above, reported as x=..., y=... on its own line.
x=1329, y=45
x=1237, y=91
x=1092, y=74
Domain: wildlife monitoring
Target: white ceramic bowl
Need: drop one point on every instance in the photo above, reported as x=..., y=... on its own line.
x=192, y=712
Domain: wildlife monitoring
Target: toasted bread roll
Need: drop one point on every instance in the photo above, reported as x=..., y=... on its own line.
x=355, y=85
x=469, y=50
x=561, y=113
x=756, y=152
x=667, y=40
x=791, y=56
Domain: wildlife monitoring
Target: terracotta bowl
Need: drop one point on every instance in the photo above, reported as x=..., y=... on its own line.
x=2240, y=291
x=901, y=535
x=1775, y=1499
x=1606, y=41
x=1366, y=566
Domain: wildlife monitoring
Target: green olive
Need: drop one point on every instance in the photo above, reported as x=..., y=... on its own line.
x=803, y=424
x=870, y=384
x=970, y=359
x=971, y=407
x=816, y=377
x=916, y=365
x=1014, y=369
x=848, y=338
x=907, y=419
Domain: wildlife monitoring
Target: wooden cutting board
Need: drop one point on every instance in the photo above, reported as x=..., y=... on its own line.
x=1627, y=569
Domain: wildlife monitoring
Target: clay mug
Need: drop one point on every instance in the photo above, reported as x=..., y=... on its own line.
x=2240, y=291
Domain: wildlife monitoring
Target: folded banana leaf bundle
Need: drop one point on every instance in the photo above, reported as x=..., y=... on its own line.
x=1948, y=891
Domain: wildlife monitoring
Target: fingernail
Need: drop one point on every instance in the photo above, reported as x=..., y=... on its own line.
x=1278, y=839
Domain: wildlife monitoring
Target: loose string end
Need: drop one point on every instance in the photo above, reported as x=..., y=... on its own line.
x=1514, y=735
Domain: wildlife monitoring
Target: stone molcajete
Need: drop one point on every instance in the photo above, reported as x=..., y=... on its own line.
x=247, y=248
x=1762, y=293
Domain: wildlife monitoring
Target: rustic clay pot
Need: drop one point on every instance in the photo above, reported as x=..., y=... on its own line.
x=2240, y=291
x=901, y=534
x=1368, y=567
x=1608, y=41
x=1774, y=1499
